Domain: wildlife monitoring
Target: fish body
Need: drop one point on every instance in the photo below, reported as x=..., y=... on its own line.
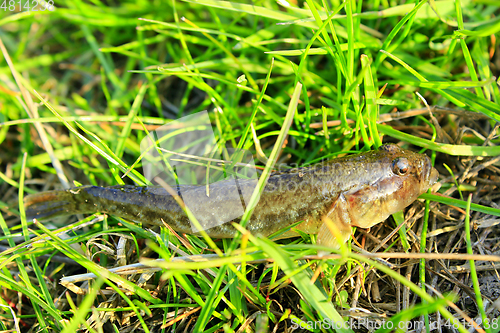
x=357, y=190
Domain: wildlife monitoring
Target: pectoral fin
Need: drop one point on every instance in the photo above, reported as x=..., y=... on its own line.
x=336, y=226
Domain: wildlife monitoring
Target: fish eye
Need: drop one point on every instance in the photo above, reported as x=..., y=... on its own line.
x=400, y=166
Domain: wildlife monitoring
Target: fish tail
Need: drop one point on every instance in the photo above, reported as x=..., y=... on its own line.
x=45, y=205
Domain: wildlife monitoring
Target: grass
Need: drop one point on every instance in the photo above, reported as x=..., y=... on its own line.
x=81, y=85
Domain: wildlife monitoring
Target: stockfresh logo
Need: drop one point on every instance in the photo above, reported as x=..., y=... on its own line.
x=189, y=156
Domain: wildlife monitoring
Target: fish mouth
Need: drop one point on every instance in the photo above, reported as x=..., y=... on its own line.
x=430, y=172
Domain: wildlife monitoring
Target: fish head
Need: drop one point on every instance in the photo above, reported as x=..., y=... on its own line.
x=394, y=179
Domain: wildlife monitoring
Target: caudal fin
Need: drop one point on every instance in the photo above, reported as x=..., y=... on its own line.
x=47, y=204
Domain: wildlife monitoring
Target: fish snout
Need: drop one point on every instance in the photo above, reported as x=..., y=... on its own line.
x=430, y=174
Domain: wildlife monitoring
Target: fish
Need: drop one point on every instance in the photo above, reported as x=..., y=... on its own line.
x=358, y=190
